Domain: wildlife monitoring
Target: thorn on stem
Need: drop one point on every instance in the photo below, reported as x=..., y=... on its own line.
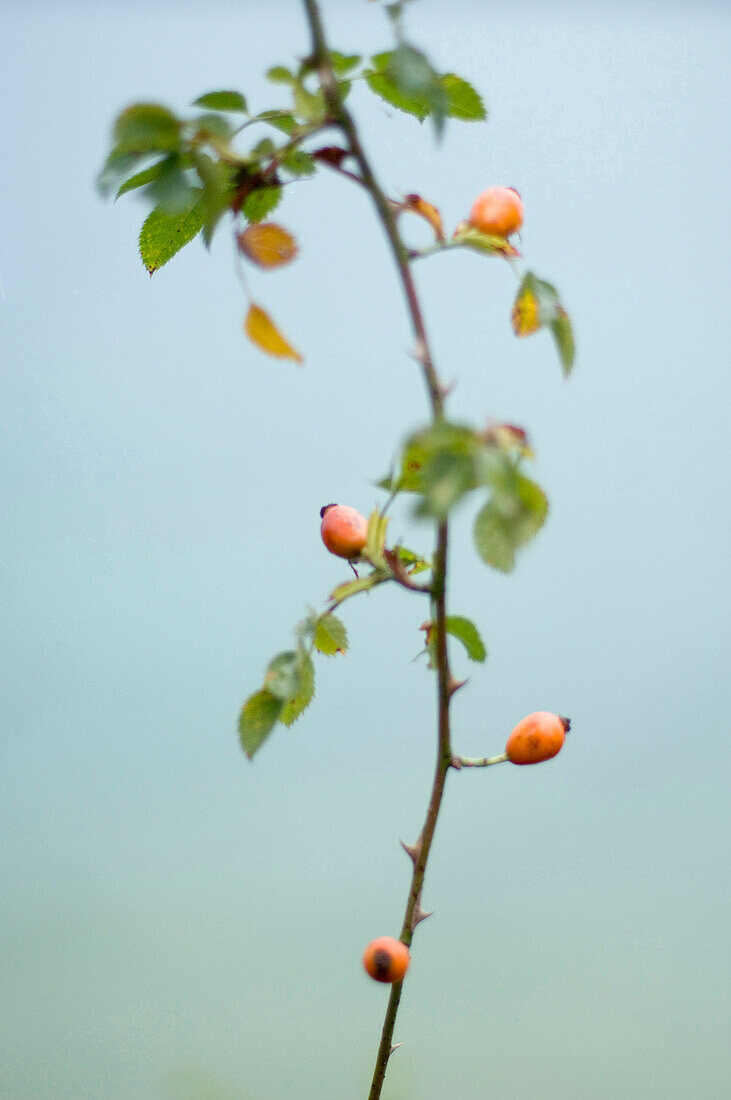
x=420, y=352
x=453, y=685
x=412, y=850
x=419, y=915
x=394, y=1047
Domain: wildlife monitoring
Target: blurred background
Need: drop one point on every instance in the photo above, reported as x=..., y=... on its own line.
x=179, y=923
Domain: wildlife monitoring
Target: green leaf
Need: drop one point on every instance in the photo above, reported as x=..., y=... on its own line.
x=146, y=127
x=405, y=79
x=469, y=237
x=464, y=101
x=376, y=539
x=309, y=105
x=279, y=74
x=446, y=478
x=413, y=562
x=118, y=164
x=219, y=186
x=509, y=519
x=331, y=637
x=222, y=101
x=468, y=634
x=299, y=702
x=342, y=63
x=442, y=464
x=141, y=178
x=261, y=202
x=360, y=584
x=564, y=339
x=163, y=234
x=257, y=719
x=537, y=304
x=298, y=162
x=213, y=126
x=170, y=191
x=282, y=675
x=282, y=120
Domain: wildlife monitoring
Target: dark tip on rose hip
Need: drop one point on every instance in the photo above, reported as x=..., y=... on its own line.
x=381, y=965
x=566, y=723
x=325, y=508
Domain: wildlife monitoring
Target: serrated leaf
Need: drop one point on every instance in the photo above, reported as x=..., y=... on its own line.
x=262, y=331
x=299, y=702
x=382, y=86
x=261, y=202
x=469, y=237
x=298, y=163
x=219, y=189
x=465, y=102
x=141, y=179
x=563, y=336
x=342, y=63
x=222, y=101
x=146, y=127
x=282, y=675
x=468, y=634
x=163, y=234
x=413, y=562
x=360, y=584
x=118, y=164
x=330, y=636
x=268, y=244
x=257, y=719
x=171, y=191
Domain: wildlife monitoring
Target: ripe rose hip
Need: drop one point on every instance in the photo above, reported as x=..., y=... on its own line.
x=343, y=530
x=386, y=959
x=497, y=211
x=537, y=737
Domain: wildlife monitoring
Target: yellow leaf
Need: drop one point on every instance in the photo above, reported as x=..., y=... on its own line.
x=526, y=314
x=424, y=209
x=466, y=234
x=262, y=331
x=267, y=244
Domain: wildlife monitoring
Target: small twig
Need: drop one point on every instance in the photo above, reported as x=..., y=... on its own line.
x=458, y=762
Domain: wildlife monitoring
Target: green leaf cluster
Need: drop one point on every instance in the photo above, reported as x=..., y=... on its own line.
x=405, y=79
x=444, y=462
x=289, y=681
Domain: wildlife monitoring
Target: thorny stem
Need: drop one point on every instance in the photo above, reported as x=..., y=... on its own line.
x=420, y=851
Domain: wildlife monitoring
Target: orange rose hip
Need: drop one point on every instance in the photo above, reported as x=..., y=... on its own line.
x=386, y=959
x=343, y=530
x=497, y=211
x=537, y=737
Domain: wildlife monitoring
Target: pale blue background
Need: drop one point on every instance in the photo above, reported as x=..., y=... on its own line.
x=179, y=923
